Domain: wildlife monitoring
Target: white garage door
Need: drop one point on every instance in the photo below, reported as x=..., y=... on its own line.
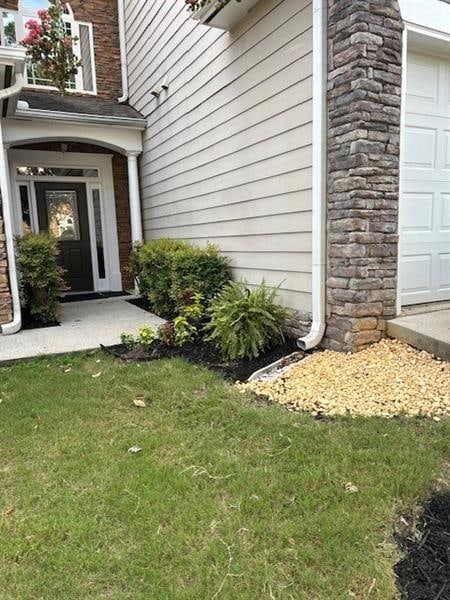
x=425, y=201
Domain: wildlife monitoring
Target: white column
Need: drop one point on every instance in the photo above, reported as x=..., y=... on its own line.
x=135, y=197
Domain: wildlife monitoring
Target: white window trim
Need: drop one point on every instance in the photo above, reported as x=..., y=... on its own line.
x=21, y=14
x=103, y=162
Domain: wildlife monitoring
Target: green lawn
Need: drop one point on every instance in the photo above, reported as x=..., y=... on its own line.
x=227, y=499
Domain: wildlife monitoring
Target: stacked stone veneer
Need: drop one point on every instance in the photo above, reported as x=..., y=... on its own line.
x=5, y=294
x=364, y=94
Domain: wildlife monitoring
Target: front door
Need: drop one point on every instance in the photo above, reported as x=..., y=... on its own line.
x=62, y=210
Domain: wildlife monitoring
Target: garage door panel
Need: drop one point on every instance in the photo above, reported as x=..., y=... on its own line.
x=420, y=148
x=423, y=79
x=444, y=271
x=444, y=225
x=418, y=212
x=424, y=266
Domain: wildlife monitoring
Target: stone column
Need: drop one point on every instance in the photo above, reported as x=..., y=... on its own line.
x=364, y=96
x=5, y=293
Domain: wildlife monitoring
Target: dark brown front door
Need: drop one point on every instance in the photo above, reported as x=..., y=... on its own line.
x=62, y=210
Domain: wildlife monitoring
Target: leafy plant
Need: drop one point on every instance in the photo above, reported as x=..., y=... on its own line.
x=50, y=47
x=146, y=337
x=128, y=340
x=171, y=272
x=246, y=322
x=194, y=5
x=184, y=332
x=41, y=276
x=195, y=310
x=166, y=333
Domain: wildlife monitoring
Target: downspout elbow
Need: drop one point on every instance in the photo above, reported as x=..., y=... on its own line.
x=313, y=337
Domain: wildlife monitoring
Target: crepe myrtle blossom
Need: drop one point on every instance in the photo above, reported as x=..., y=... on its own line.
x=50, y=47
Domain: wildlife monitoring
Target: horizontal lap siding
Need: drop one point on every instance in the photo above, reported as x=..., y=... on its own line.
x=228, y=150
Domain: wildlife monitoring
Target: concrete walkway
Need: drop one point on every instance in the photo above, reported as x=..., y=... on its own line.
x=428, y=331
x=84, y=326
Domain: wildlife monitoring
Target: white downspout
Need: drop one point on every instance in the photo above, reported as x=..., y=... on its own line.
x=319, y=177
x=14, y=325
x=123, y=50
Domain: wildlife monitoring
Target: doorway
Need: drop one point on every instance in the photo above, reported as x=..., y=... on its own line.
x=62, y=210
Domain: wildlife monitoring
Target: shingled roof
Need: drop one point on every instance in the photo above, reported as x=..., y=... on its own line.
x=84, y=105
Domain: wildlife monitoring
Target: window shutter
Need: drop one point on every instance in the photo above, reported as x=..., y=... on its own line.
x=86, y=57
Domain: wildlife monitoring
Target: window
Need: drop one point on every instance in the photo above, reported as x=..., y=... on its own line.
x=56, y=172
x=12, y=30
x=25, y=207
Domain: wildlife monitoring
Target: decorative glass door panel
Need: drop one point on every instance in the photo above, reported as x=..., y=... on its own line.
x=62, y=211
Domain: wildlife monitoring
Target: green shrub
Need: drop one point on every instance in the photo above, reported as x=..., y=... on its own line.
x=198, y=270
x=144, y=339
x=152, y=268
x=41, y=276
x=171, y=272
x=246, y=322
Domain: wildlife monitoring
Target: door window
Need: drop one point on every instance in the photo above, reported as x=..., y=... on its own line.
x=62, y=211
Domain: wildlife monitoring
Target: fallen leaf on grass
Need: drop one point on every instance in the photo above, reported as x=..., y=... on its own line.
x=139, y=403
x=134, y=449
x=96, y=375
x=350, y=488
x=9, y=512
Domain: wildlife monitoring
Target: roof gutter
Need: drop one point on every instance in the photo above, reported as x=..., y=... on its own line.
x=316, y=333
x=14, y=325
x=54, y=115
x=123, y=51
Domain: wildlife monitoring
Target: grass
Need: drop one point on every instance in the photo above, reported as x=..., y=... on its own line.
x=227, y=499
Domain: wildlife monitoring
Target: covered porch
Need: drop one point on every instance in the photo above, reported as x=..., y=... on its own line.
x=72, y=169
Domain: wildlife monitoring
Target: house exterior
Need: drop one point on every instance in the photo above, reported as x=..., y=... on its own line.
x=69, y=163
x=309, y=140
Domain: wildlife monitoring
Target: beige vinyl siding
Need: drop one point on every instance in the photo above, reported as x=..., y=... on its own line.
x=228, y=149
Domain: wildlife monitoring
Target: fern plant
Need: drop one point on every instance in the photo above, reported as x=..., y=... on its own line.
x=246, y=322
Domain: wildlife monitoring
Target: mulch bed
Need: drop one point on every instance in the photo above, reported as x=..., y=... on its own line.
x=30, y=322
x=424, y=573
x=207, y=354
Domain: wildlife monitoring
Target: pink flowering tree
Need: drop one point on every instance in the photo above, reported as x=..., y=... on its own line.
x=50, y=47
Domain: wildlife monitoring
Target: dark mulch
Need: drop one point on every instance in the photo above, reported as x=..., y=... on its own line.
x=30, y=322
x=208, y=355
x=424, y=573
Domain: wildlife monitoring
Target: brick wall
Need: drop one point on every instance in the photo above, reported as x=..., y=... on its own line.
x=120, y=175
x=364, y=93
x=104, y=18
x=5, y=295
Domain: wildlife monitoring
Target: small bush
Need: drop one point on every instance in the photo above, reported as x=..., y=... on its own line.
x=152, y=268
x=184, y=331
x=144, y=339
x=246, y=322
x=196, y=270
x=171, y=272
x=41, y=276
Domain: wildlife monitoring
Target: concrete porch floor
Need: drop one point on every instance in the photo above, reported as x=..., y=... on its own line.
x=428, y=331
x=84, y=326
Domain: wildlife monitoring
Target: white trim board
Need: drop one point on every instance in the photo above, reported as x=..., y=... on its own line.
x=105, y=183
